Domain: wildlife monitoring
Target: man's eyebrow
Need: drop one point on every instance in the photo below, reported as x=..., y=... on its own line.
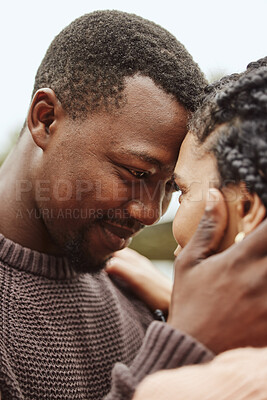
x=145, y=157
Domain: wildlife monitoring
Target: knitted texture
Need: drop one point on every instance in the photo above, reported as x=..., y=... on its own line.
x=162, y=348
x=61, y=333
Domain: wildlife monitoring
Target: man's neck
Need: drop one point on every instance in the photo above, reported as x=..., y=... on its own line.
x=19, y=219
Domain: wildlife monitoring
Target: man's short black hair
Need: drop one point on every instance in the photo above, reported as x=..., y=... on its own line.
x=87, y=62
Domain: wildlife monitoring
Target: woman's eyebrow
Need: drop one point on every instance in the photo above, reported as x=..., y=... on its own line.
x=177, y=176
x=180, y=179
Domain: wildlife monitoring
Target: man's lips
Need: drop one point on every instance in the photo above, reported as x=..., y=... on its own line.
x=117, y=237
x=122, y=232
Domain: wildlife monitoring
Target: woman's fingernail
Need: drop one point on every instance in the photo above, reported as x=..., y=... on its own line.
x=177, y=250
x=211, y=199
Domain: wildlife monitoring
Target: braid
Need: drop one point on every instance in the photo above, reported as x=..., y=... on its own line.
x=233, y=125
x=262, y=62
x=242, y=157
x=247, y=96
x=204, y=119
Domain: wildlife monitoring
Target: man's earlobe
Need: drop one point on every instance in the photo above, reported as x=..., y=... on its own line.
x=254, y=213
x=42, y=115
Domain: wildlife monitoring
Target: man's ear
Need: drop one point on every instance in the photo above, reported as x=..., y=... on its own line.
x=251, y=212
x=42, y=114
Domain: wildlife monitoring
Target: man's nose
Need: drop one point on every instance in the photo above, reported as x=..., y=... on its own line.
x=145, y=212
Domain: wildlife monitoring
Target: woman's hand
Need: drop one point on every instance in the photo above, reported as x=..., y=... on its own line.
x=221, y=299
x=142, y=277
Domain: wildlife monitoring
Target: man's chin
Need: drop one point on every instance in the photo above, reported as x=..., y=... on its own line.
x=90, y=266
x=81, y=260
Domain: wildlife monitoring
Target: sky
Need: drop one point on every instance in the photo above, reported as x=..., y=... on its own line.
x=223, y=37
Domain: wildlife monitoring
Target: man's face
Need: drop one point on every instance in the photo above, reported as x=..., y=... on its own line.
x=110, y=174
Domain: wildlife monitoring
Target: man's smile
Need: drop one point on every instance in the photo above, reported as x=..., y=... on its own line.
x=115, y=236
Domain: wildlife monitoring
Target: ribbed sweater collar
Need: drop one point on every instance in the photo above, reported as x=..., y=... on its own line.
x=28, y=260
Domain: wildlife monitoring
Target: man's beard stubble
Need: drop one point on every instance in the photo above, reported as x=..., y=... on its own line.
x=77, y=247
x=81, y=258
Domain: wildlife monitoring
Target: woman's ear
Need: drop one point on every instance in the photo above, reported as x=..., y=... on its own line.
x=251, y=211
x=42, y=114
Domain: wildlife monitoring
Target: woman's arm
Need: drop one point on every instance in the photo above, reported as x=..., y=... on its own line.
x=235, y=375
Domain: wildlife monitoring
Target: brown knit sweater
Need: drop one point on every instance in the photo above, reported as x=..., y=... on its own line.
x=61, y=332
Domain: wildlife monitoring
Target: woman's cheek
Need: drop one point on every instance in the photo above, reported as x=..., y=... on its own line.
x=186, y=220
x=177, y=225
x=182, y=224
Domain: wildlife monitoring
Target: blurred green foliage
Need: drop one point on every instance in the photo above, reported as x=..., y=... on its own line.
x=156, y=242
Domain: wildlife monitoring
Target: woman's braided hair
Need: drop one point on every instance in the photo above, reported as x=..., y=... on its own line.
x=232, y=123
